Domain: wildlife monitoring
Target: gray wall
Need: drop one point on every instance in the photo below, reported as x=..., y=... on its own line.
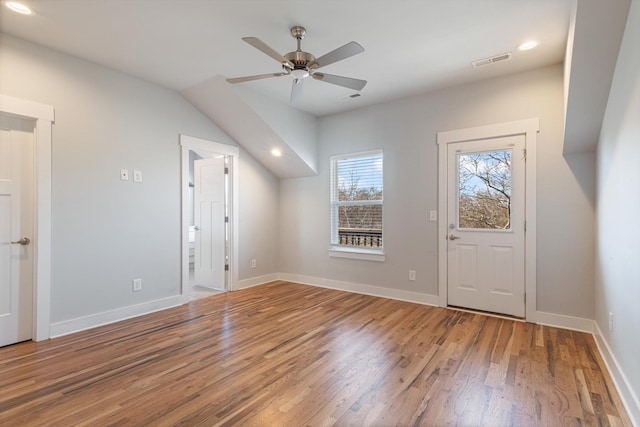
x=107, y=232
x=618, y=211
x=258, y=221
x=406, y=130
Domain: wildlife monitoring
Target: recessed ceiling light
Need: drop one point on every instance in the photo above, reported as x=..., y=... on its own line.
x=528, y=45
x=19, y=7
x=275, y=152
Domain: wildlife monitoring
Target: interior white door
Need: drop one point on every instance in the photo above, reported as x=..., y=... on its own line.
x=209, y=220
x=486, y=225
x=16, y=229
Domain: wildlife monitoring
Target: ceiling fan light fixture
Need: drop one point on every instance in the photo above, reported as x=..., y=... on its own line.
x=299, y=74
x=18, y=7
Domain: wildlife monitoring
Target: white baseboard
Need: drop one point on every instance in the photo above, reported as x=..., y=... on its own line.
x=255, y=281
x=627, y=394
x=360, y=288
x=565, y=322
x=94, y=320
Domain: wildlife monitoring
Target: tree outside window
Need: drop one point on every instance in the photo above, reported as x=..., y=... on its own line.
x=484, y=182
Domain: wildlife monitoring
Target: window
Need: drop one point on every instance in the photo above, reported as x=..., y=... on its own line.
x=356, y=205
x=484, y=190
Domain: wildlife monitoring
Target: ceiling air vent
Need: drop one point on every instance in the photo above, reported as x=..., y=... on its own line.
x=352, y=96
x=486, y=61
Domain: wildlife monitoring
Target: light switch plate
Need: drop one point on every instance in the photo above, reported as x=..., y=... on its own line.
x=124, y=175
x=137, y=176
x=433, y=215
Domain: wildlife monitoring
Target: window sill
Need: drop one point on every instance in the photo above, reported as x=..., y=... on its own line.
x=353, y=253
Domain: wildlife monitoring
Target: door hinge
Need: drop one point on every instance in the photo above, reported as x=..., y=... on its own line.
x=525, y=226
x=226, y=267
x=226, y=219
x=524, y=154
x=226, y=171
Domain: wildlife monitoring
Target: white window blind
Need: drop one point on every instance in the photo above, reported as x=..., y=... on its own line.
x=357, y=201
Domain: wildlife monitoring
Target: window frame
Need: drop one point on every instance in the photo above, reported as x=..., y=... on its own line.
x=348, y=251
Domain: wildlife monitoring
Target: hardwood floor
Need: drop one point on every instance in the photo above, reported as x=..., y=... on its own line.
x=284, y=354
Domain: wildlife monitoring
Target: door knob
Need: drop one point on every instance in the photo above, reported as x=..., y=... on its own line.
x=452, y=237
x=23, y=241
x=196, y=228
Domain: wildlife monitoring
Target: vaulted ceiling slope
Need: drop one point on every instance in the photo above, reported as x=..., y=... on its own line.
x=594, y=40
x=411, y=47
x=260, y=125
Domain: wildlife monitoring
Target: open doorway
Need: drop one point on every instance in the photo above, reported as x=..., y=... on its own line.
x=208, y=217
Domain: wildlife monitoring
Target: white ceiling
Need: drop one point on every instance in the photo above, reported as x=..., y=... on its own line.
x=411, y=46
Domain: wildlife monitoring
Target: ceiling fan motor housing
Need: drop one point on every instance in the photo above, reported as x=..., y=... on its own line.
x=300, y=59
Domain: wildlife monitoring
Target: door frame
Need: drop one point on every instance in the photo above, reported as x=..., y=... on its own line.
x=187, y=143
x=529, y=128
x=44, y=117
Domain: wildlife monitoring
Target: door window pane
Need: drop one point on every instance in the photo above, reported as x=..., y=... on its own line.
x=484, y=190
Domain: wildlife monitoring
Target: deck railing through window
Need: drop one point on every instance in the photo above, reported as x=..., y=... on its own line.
x=360, y=237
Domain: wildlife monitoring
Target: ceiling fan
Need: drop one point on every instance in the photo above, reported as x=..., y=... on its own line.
x=300, y=64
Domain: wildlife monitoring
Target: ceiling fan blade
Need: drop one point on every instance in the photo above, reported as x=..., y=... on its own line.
x=267, y=50
x=296, y=91
x=258, y=77
x=355, y=84
x=344, y=52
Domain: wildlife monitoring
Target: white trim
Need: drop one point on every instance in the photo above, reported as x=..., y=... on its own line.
x=529, y=128
x=361, y=288
x=25, y=108
x=350, y=155
x=361, y=254
x=629, y=398
x=187, y=143
x=565, y=322
x=116, y=315
x=256, y=281
x=44, y=116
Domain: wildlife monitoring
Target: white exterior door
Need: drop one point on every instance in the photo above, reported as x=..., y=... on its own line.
x=209, y=220
x=486, y=225
x=16, y=229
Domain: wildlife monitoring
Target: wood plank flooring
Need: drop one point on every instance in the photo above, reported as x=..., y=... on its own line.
x=285, y=354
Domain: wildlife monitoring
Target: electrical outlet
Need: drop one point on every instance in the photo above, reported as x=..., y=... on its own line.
x=124, y=175
x=137, y=285
x=610, y=322
x=137, y=176
x=433, y=215
x=253, y=263
x=412, y=275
